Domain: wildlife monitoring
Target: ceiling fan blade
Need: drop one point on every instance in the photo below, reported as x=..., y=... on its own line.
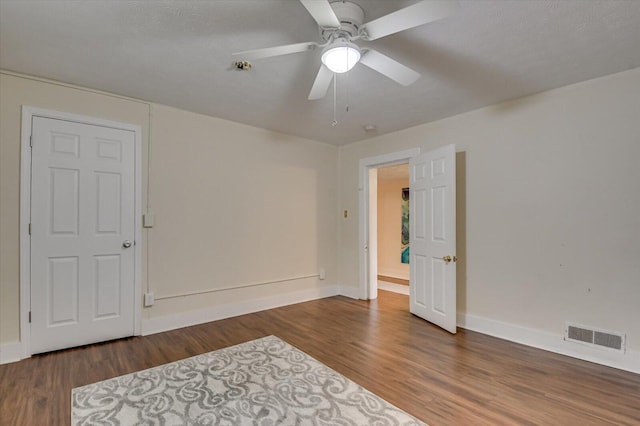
x=276, y=51
x=389, y=67
x=415, y=15
x=320, y=86
x=322, y=12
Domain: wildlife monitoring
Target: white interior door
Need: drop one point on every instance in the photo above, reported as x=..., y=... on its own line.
x=432, y=210
x=82, y=234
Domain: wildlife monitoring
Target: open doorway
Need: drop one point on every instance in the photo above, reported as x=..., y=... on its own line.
x=368, y=218
x=432, y=180
x=393, y=229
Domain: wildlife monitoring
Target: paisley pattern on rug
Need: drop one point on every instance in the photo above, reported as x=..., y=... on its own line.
x=261, y=382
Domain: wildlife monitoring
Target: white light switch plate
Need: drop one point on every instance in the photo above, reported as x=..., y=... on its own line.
x=147, y=220
x=148, y=299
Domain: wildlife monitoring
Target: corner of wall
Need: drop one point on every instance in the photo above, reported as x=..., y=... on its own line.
x=187, y=319
x=349, y=291
x=10, y=352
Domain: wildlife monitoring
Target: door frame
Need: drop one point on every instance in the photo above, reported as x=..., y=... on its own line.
x=367, y=246
x=28, y=113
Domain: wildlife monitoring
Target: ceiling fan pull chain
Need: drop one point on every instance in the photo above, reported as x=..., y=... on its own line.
x=334, y=123
x=347, y=85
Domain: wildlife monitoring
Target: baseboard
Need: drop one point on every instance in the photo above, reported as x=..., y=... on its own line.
x=10, y=352
x=394, y=280
x=628, y=361
x=186, y=319
x=401, y=275
x=349, y=291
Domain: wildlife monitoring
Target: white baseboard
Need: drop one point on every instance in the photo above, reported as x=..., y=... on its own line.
x=10, y=352
x=349, y=291
x=186, y=319
x=394, y=273
x=629, y=361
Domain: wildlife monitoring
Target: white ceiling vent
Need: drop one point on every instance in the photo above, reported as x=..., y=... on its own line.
x=594, y=337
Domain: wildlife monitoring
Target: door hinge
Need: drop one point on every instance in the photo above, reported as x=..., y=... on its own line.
x=29, y=316
x=31, y=141
x=29, y=229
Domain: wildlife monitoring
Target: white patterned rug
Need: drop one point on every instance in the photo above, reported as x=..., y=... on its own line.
x=261, y=382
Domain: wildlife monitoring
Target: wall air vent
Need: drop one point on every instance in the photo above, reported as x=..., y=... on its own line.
x=594, y=337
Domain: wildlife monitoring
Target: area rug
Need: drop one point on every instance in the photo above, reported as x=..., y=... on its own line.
x=261, y=382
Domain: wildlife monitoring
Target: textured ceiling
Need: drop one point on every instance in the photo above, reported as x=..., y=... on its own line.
x=178, y=53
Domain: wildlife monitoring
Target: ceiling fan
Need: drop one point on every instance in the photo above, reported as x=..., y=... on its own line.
x=341, y=23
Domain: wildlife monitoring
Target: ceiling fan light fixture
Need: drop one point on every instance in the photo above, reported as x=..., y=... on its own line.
x=341, y=56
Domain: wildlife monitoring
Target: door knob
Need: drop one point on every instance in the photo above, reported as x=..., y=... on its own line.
x=447, y=259
x=126, y=244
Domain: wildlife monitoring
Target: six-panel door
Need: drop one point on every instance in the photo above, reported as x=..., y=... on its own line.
x=432, y=237
x=82, y=210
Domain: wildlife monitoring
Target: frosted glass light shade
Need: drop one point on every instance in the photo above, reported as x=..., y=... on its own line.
x=341, y=57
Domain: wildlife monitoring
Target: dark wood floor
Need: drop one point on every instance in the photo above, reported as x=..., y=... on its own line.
x=466, y=379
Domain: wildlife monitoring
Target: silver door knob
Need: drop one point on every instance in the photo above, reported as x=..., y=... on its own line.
x=126, y=244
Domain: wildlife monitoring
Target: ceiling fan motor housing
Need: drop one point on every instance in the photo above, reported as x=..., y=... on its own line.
x=351, y=17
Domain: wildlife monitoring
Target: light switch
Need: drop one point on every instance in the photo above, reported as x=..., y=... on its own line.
x=147, y=220
x=149, y=299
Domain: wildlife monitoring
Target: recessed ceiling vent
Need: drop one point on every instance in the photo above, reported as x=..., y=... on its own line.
x=595, y=337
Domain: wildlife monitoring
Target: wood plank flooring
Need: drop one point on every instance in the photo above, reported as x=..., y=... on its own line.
x=466, y=379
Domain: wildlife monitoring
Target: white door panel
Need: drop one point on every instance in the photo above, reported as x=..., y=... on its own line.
x=107, y=285
x=62, y=286
x=82, y=209
x=433, y=239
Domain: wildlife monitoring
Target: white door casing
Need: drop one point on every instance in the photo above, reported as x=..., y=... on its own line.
x=83, y=208
x=432, y=209
x=367, y=245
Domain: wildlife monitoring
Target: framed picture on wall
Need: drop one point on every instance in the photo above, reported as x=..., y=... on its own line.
x=404, y=238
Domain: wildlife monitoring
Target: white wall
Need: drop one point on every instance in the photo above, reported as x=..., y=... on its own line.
x=389, y=228
x=548, y=209
x=234, y=205
x=548, y=206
